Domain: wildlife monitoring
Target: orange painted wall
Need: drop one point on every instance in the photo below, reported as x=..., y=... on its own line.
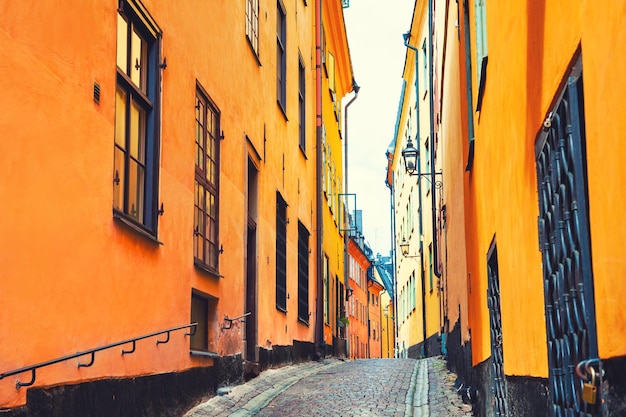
x=453, y=142
x=71, y=278
x=357, y=311
x=527, y=62
x=375, y=319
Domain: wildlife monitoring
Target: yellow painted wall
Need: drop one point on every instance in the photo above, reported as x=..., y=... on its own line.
x=387, y=340
x=336, y=76
x=530, y=46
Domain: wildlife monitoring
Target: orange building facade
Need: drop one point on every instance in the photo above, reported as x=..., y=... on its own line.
x=358, y=308
x=524, y=119
x=160, y=195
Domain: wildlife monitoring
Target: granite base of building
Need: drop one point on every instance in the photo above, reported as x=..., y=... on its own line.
x=432, y=347
x=286, y=355
x=614, y=385
x=526, y=396
x=165, y=395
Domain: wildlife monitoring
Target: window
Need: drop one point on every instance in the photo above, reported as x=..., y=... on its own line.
x=203, y=308
x=480, y=18
x=303, y=273
x=281, y=253
x=136, y=144
x=302, y=105
x=200, y=315
x=468, y=87
x=206, y=186
x=430, y=265
x=425, y=67
x=281, y=57
x=252, y=24
x=427, y=157
x=326, y=289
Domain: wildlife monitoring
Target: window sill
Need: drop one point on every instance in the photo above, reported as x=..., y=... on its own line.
x=121, y=219
x=213, y=273
x=306, y=323
x=282, y=110
x=254, y=52
x=206, y=354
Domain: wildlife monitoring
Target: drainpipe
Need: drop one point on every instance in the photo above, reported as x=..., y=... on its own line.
x=355, y=88
x=319, y=314
x=419, y=192
x=394, y=299
x=432, y=140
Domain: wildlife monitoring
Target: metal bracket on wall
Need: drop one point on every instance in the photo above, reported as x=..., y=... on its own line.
x=230, y=321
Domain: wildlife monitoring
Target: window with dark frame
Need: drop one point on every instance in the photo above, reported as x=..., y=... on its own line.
x=480, y=19
x=303, y=273
x=302, y=105
x=326, y=266
x=136, y=143
x=206, y=184
x=252, y=24
x=281, y=56
x=425, y=67
x=199, y=314
x=281, y=253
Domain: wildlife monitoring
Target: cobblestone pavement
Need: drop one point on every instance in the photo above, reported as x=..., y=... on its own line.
x=370, y=387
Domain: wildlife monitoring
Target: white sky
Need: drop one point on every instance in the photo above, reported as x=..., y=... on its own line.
x=375, y=29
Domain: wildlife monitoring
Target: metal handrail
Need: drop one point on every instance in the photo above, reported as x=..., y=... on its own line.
x=92, y=352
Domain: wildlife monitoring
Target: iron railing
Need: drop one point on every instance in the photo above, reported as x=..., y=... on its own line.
x=92, y=352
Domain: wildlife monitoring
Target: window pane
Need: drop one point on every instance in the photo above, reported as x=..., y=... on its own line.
x=118, y=179
x=138, y=61
x=199, y=314
x=212, y=209
x=137, y=132
x=210, y=171
x=120, y=118
x=199, y=148
x=135, y=190
x=122, y=46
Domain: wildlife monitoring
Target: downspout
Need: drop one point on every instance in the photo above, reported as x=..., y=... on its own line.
x=432, y=140
x=394, y=299
x=319, y=313
x=419, y=192
x=355, y=88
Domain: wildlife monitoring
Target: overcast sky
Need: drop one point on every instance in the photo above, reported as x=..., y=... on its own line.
x=375, y=31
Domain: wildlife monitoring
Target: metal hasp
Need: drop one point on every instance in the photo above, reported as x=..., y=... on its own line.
x=92, y=352
x=230, y=321
x=565, y=244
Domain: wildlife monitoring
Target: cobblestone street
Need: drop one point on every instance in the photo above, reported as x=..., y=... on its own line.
x=373, y=387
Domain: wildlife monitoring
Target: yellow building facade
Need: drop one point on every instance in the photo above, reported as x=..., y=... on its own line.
x=524, y=104
x=337, y=82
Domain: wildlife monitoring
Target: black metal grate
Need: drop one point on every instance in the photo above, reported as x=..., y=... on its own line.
x=565, y=246
x=498, y=387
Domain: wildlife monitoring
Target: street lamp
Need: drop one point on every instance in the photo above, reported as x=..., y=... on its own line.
x=410, y=154
x=404, y=247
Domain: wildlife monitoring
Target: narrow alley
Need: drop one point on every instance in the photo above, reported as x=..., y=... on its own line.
x=367, y=387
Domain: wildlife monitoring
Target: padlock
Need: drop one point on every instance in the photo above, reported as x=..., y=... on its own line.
x=589, y=389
